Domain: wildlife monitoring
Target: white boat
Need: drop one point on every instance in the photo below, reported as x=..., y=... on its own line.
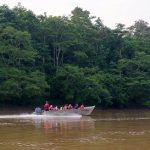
x=86, y=111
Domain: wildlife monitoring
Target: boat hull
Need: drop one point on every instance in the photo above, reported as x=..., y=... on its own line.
x=85, y=112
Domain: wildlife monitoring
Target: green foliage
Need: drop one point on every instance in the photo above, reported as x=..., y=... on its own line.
x=17, y=83
x=77, y=85
x=138, y=90
x=15, y=48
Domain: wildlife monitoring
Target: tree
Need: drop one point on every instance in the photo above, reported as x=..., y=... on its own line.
x=16, y=49
x=140, y=29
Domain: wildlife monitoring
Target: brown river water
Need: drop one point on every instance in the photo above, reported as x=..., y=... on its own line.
x=103, y=130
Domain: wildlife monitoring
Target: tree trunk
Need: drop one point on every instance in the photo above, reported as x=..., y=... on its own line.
x=57, y=57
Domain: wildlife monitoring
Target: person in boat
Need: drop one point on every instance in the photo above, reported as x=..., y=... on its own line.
x=51, y=107
x=82, y=106
x=70, y=106
x=46, y=106
x=56, y=108
x=65, y=107
x=76, y=106
x=61, y=108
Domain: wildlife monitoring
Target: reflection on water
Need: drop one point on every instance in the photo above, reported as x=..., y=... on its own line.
x=51, y=122
x=105, y=129
x=62, y=125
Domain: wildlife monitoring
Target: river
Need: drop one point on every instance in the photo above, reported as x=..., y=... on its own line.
x=103, y=130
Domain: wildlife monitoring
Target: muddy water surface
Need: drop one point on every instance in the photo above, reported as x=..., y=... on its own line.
x=103, y=130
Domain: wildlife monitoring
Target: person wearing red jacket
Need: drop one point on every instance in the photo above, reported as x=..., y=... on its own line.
x=46, y=106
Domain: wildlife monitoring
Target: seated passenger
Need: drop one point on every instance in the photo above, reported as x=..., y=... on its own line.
x=65, y=107
x=69, y=106
x=51, y=107
x=76, y=106
x=46, y=106
x=82, y=106
x=56, y=108
x=61, y=108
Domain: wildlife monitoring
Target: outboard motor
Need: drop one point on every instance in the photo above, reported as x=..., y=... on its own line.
x=38, y=111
